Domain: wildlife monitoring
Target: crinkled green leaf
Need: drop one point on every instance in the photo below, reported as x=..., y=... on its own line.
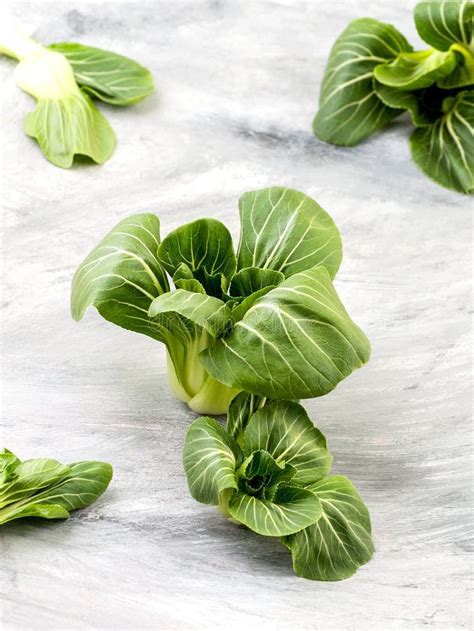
x=349, y=109
x=445, y=150
x=122, y=276
x=291, y=510
x=425, y=106
x=284, y=430
x=295, y=342
x=183, y=278
x=106, y=75
x=442, y=22
x=287, y=231
x=80, y=485
x=340, y=542
x=416, y=70
x=251, y=279
x=240, y=411
x=31, y=476
x=263, y=475
x=206, y=311
x=202, y=244
x=210, y=459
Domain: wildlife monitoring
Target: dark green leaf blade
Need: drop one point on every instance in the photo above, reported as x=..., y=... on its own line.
x=284, y=429
x=240, y=411
x=83, y=483
x=251, y=279
x=285, y=230
x=106, y=75
x=210, y=459
x=413, y=71
x=291, y=510
x=441, y=23
x=424, y=105
x=445, y=150
x=296, y=342
x=349, y=109
x=122, y=276
x=340, y=542
x=204, y=244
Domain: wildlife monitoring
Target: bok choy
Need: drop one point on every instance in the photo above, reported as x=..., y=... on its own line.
x=63, y=78
x=265, y=319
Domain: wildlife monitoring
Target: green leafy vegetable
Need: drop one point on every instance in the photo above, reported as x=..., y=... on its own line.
x=363, y=88
x=66, y=122
x=274, y=328
x=105, y=75
x=269, y=471
x=349, y=109
x=46, y=488
x=450, y=142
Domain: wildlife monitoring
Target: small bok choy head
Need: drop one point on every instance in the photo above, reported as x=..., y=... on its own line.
x=269, y=470
x=45, y=488
x=63, y=78
x=373, y=75
x=266, y=320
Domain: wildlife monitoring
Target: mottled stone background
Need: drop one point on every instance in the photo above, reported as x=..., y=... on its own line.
x=237, y=88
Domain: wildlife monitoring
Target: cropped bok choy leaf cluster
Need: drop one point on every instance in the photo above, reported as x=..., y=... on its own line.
x=46, y=488
x=62, y=78
x=373, y=75
x=265, y=320
x=270, y=471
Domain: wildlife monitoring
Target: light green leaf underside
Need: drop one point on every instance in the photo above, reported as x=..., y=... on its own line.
x=340, y=542
x=240, y=410
x=424, y=105
x=202, y=244
x=8, y=465
x=284, y=430
x=122, y=276
x=109, y=77
x=209, y=460
x=82, y=485
x=349, y=107
x=291, y=510
x=445, y=150
x=295, y=342
x=206, y=311
x=463, y=73
x=441, y=23
x=287, y=231
x=413, y=71
x=70, y=126
x=31, y=476
x=251, y=279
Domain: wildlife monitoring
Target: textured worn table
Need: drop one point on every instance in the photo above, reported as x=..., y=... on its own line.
x=237, y=90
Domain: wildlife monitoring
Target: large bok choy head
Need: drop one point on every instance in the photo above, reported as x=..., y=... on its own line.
x=266, y=319
x=63, y=78
x=269, y=470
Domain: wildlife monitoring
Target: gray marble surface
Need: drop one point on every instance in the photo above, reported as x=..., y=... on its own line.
x=237, y=86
